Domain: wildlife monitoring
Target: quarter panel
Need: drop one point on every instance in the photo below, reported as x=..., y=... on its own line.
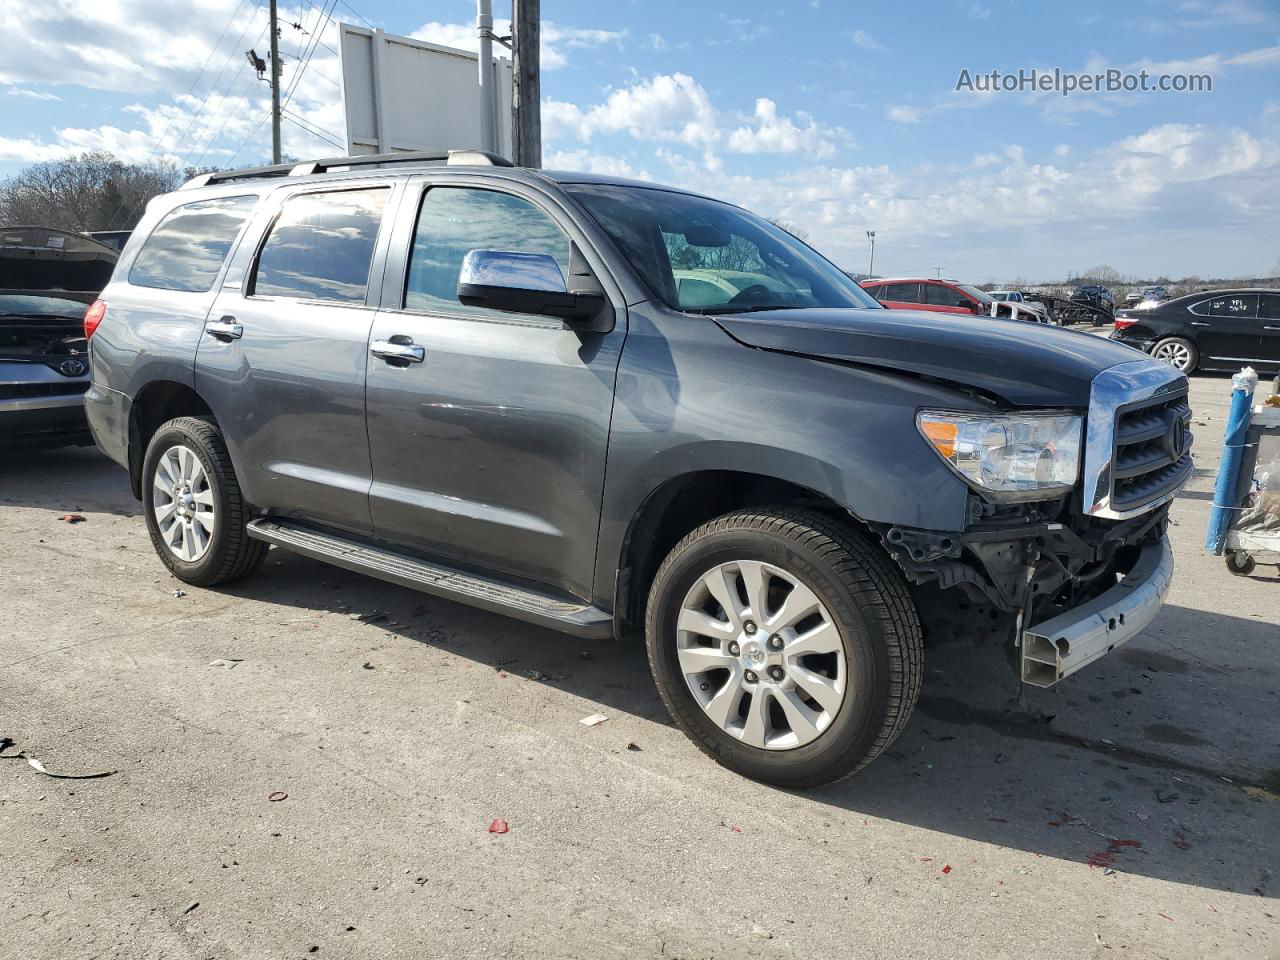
x=690, y=398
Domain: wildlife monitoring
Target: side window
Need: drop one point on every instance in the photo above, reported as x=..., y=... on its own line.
x=878, y=291
x=1239, y=305
x=1269, y=308
x=940, y=296
x=902, y=292
x=320, y=246
x=453, y=221
x=186, y=249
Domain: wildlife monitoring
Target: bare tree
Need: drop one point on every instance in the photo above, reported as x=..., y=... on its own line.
x=92, y=191
x=799, y=233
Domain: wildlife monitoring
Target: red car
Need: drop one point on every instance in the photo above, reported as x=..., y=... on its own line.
x=919, y=293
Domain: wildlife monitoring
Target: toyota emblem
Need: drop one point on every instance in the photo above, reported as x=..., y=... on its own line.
x=72, y=368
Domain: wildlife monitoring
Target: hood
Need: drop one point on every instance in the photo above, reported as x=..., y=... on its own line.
x=42, y=258
x=1027, y=364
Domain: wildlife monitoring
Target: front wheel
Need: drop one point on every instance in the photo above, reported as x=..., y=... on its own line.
x=1177, y=352
x=195, y=513
x=785, y=645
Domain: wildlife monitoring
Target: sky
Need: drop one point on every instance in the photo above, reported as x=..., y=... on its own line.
x=836, y=117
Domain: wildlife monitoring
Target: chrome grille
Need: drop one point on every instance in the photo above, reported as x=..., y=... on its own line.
x=1137, y=443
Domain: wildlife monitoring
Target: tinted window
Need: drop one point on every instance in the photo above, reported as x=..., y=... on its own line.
x=902, y=292
x=186, y=249
x=1270, y=306
x=456, y=220
x=1235, y=305
x=321, y=245
x=940, y=296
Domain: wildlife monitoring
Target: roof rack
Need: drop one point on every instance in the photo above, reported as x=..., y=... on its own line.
x=450, y=157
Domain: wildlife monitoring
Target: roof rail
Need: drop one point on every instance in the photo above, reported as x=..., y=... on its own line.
x=306, y=168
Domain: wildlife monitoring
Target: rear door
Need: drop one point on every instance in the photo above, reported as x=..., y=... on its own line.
x=1232, y=330
x=1269, y=315
x=946, y=299
x=284, y=353
x=900, y=296
x=490, y=448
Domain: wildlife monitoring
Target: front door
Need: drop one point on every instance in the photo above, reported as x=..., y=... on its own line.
x=1232, y=330
x=488, y=442
x=284, y=353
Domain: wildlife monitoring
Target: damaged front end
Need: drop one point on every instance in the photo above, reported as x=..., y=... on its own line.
x=1067, y=579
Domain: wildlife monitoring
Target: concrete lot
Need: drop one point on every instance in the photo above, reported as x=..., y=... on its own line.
x=990, y=830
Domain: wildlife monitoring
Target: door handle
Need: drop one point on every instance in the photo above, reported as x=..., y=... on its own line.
x=225, y=329
x=1271, y=328
x=392, y=351
x=1198, y=323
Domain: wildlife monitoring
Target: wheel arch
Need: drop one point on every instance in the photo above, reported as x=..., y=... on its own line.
x=154, y=405
x=684, y=502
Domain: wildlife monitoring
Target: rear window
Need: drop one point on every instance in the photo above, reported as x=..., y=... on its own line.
x=321, y=246
x=186, y=249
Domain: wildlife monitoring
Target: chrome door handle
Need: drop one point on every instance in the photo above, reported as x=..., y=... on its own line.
x=405, y=352
x=1198, y=323
x=1271, y=328
x=225, y=329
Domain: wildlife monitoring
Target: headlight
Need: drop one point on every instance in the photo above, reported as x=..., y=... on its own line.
x=1010, y=456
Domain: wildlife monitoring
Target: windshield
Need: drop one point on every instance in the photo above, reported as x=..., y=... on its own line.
x=703, y=256
x=974, y=292
x=36, y=306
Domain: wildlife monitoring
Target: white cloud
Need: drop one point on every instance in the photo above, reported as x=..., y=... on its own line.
x=903, y=114
x=31, y=94
x=865, y=40
x=664, y=107
x=770, y=133
x=591, y=162
x=1062, y=150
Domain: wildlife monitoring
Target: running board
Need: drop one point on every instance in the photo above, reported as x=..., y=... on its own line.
x=437, y=580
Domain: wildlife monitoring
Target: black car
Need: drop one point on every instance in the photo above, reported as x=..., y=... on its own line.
x=47, y=278
x=1213, y=330
x=418, y=365
x=1095, y=301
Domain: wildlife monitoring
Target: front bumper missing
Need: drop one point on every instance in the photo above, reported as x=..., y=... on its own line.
x=1064, y=644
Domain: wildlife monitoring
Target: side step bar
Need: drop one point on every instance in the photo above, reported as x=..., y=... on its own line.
x=437, y=580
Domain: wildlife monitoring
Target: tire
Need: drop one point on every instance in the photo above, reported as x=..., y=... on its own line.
x=876, y=655
x=198, y=556
x=1179, y=352
x=1240, y=563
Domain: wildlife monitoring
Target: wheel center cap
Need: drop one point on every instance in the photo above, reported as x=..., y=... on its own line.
x=753, y=653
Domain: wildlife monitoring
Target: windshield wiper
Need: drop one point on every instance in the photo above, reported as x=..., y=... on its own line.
x=753, y=308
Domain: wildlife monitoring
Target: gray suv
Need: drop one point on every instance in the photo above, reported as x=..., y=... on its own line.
x=618, y=409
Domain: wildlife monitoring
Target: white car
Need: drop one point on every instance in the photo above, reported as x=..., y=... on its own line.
x=1039, y=312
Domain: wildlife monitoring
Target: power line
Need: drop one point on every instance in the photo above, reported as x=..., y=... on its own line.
x=315, y=132
x=230, y=102
x=297, y=77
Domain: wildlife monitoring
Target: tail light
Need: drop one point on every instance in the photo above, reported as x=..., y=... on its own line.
x=93, y=316
x=1123, y=323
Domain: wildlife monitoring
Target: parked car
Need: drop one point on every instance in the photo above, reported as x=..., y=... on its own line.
x=1039, y=311
x=47, y=279
x=1091, y=303
x=1219, y=330
x=1154, y=294
x=418, y=368
x=944, y=296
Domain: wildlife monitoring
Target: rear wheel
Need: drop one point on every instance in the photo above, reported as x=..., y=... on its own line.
x=784, y=645
x=195, y=513
x=1177, y=352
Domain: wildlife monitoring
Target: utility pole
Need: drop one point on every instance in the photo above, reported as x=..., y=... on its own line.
x=527, y=102
x=275, y=86
x=871, y=267
x=937, y=273
x=484, y=30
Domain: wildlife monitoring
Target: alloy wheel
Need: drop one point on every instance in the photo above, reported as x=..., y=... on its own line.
x=761, y=655
x=1173, y=353
x=183, y=503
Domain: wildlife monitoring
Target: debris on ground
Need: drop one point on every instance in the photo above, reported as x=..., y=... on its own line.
x=760, y=933
x=179, y=594
x=276, y=796
x=946, y=868
x=190, y=906
x=36, y=765
x=368, y=665
x=634, y=747
x=227, y=663
x=498, y=825
x=369, y=617
x=594, y=720
x=71, y=518
x=537, y=675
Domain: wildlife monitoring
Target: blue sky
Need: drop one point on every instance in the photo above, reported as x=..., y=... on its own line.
x=836, y=117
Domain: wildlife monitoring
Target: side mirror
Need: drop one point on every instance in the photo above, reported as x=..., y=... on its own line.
x=523, y=283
